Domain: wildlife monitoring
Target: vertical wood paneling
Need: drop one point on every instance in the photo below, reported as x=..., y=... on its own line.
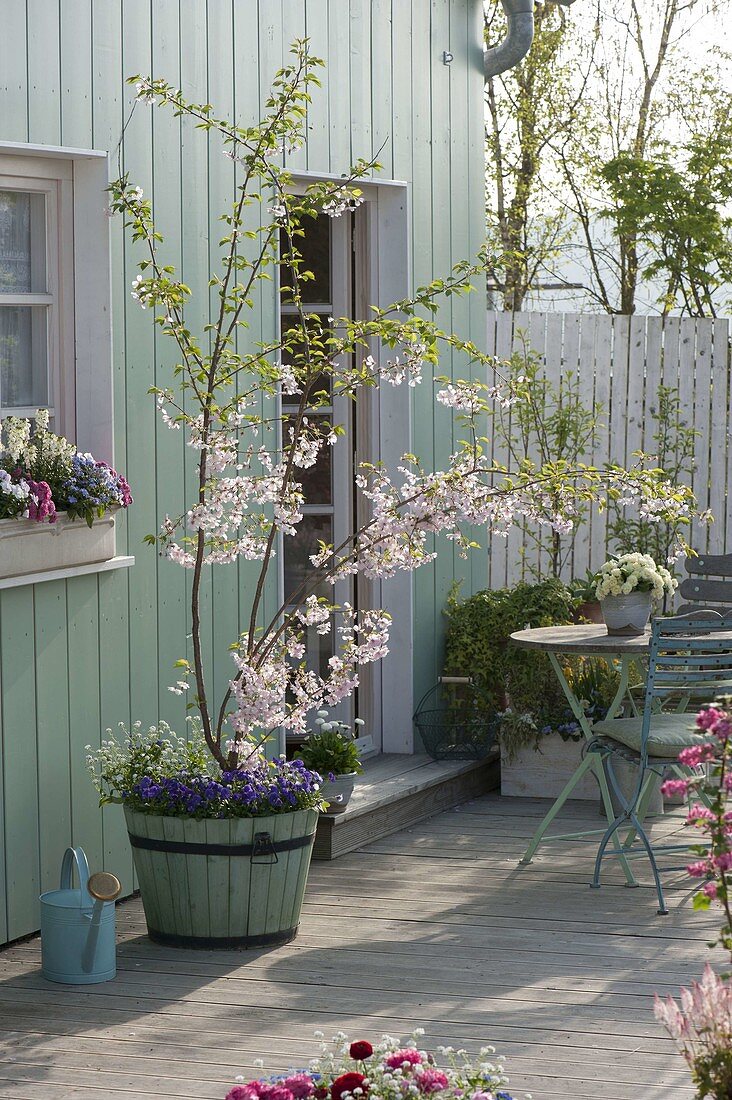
x=114, y=702
x=170, y=449
x=418, y=92
x=76, y=72
x=361, y=80
x=14, y=72
x=339, y=86
x=52, y=716
x=81, y=656
x=44, y=75
x=20, y=760
x=442, y=256
x=318, y=144
x=140, y=343
x=82, y=597
x=381, y=83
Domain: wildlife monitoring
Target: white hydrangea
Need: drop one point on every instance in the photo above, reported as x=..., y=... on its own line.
x=634, y=573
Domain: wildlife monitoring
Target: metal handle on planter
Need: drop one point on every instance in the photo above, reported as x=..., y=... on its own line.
x=78, y=856
x=262, y=848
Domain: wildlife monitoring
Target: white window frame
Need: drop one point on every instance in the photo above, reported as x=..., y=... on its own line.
x=79, y=273
x=82, y=354
x=53, y=180
x=383, y=275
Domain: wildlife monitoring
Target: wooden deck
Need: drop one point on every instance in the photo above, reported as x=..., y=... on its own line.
x=433, y=926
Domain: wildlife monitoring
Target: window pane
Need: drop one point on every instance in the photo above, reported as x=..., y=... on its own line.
x=23, y=357
x=318, y=650
x=297, y=550
x=22, y=243
x=321, y=383
x=314, y=248
x=317, y=480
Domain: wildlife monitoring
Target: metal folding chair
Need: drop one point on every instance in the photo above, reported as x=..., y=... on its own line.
x=690, y=656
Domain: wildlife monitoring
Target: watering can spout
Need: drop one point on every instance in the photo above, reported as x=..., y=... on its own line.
x=104, y=888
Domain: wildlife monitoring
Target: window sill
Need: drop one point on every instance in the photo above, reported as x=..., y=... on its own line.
x=122, y=562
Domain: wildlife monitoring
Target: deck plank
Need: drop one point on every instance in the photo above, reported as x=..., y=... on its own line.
x=432, y=926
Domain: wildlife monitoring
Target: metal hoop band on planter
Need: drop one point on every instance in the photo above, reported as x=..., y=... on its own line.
x=263, y=846
x=222, y=883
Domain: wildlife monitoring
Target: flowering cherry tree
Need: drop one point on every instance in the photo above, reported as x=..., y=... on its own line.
x=250, y=463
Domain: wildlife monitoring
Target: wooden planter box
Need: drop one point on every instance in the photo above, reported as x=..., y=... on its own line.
x=30, y=547
x=543, y=772
x=222, y=884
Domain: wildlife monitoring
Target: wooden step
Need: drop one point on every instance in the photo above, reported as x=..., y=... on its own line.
x=395, y=791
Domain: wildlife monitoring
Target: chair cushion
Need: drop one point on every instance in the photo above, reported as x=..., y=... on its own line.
x=669, y=733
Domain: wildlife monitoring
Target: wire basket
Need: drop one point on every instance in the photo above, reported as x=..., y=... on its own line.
x=457, y=728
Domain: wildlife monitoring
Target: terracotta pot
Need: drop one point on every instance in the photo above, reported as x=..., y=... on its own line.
x=589, y=611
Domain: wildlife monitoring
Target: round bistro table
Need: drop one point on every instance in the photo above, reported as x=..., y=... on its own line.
x=590, y=640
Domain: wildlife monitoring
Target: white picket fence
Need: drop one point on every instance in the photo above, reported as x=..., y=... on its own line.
x=620, y=363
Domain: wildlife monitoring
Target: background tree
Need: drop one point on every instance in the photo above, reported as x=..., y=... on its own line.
x=528, y=110
x=605, y=92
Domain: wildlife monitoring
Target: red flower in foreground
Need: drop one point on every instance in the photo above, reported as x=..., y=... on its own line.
x=347, y=1082
x=360, y=1050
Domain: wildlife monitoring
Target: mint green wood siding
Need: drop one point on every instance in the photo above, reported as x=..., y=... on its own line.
x=80, y=655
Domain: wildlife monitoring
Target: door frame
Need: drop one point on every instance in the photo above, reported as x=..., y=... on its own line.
x=382, y=269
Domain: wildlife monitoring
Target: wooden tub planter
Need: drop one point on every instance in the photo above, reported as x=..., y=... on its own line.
x=212, y=883
x=30, y=547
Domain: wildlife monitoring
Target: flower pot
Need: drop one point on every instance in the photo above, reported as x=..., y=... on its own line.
x=222, y=883
x=589, y=611
x=337, y=792
x=627, y=615
x=30, y=547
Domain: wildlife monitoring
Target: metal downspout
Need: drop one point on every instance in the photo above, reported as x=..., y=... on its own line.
x=519, y=36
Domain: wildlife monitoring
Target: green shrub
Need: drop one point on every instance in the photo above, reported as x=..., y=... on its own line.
x=520, y=683
x=331, y=751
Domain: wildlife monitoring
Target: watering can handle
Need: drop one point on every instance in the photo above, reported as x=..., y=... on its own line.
x=71, y=856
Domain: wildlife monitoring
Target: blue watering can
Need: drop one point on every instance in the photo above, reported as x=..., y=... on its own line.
x=77, y=926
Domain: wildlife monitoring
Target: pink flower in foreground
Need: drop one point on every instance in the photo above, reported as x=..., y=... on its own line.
x=675, y=786
x=273, y=1092
x=702, y=1024
x=431, y=1080
x=242, y=1092
x=397, y=1060
x=706, y=718
x=697, y=754
x=300, y=1085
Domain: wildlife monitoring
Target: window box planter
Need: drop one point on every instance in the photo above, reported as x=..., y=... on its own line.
x=30, y=547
